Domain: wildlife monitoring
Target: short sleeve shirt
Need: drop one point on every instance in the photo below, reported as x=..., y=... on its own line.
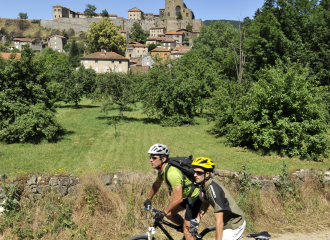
x=174, y=176
x=221, y=200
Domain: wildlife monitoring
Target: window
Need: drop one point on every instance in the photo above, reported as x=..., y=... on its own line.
x=120, y=69
x=59, y=16
x=157, y=54
x=54, y=10
x=55, y=16
x=86, y=67
x=105, y=69
x=147, y=63
x=113, y=62
x=55, y=42
x=96, y=69
x=119, y=62
x=86, y=61
x=55, y=46
x=165, y=54
x=96, y=61
x=164, y=44
x=168, y=13
x=112, y=69
x=187, y=14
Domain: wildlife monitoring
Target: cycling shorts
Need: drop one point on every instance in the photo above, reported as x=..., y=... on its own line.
x=191, y=209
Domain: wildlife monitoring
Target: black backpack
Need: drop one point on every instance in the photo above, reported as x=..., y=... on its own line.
x=187, y=170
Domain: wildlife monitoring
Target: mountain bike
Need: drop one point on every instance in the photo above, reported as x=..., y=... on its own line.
x=159, y=224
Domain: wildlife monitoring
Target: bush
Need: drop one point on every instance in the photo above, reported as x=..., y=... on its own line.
x=23, y=24
x=284, y=112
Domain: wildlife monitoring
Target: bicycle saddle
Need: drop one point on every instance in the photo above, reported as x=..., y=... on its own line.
x=262, y=235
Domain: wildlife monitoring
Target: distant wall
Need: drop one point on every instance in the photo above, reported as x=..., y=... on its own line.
x=82, y=24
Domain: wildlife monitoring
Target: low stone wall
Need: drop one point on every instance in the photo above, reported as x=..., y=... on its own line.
x=36, y=185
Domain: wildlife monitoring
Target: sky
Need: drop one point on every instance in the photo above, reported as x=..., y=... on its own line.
x=205, y=10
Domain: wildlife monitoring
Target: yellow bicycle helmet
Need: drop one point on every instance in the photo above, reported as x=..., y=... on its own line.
x=204, y=163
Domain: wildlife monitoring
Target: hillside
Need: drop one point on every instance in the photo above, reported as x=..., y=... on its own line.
x=23, y=28
x=233, y=22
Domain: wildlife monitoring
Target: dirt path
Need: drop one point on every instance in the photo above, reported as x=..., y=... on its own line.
x=323, y=235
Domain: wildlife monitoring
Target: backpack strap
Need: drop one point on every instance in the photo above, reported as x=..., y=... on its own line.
x=166, y=179
x=191, y=185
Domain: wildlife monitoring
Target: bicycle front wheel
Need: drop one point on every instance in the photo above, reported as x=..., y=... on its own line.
x=142, y=236
x=207, y=230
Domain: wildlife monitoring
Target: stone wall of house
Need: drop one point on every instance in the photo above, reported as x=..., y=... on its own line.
x=37, y=184
x=82, y=24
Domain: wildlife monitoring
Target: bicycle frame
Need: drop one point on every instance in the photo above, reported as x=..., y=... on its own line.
x=152, y=229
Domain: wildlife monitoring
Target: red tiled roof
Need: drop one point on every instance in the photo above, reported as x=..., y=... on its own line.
x=58, y=6
x=162, y=9
x=162, y=34
x=157, y=27
x=151, y=39
x=106, y=56
x=141, y=69
x=112, y=15
x=133, y=61
x=24, y=39
x=182, y=29
x=7, y=55
x=156, y=15
x=174, y=33
x=139, y=64
x=198, y=31
x=181, y=50
x=134, y=10
x=61, y=36
x=123, y=31
x=119, y=17
x=137, y=44
x=160, y=49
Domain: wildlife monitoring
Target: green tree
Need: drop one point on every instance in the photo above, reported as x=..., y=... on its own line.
x=179, y=16
x=137, y=34
x=74, y=56
x=90, y=11
x=27, y=110
x=105, y=13
x=23, y=15
x=284, y=111
x=105, y=35
x=117, y=88
x=153, y=46
x=64, y=33
x=189, y=27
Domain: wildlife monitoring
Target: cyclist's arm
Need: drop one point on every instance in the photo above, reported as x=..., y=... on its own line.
x=155, y=188
x=176, y=200
x=218, y=225
x=203, y=209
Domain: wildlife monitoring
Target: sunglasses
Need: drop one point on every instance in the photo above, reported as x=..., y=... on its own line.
x=154, y=158
x=198, y=173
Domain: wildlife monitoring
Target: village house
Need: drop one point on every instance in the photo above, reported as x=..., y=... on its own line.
x=178, y=52
x=135, y=14
x=105, y=61
x=155, y=31
x=178, y=36
x=136, y=50
x=63, y=12
x=35, y=44
x=57, y=42
x=169, y=44
x=161, y=52
x=147, y=61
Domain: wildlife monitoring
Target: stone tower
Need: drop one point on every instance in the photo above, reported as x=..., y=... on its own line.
x=173, y=7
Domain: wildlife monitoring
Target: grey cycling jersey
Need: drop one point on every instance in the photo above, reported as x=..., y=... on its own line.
x=221, y=200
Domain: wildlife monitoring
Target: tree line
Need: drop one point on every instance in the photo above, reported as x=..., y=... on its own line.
x=264, y=85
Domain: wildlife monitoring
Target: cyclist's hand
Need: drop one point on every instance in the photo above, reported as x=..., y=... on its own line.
x=194, y=223
x=159, y=216
x=147, y=204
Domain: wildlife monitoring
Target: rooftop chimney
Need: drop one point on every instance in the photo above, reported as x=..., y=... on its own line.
x=102, y=52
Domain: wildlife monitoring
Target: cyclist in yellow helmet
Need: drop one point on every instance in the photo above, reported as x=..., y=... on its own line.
x=229, y=218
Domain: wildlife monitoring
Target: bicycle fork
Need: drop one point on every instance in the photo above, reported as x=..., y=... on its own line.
x=151, y=232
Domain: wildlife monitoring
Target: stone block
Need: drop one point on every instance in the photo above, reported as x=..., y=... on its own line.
x=74, y=190
x=73, y=181
x=107, y=179
x=111, y=187
x=54, y=181
x=65, y=181
x=267, y=185
x=32, y=180
x=43, y=189
x=63, y=190
x=37, y=197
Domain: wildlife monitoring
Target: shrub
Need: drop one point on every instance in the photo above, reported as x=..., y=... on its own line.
x=284, y=112
x=23, y=24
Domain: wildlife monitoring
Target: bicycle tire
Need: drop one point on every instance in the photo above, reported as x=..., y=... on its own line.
x=207, y=230
x=142, y=236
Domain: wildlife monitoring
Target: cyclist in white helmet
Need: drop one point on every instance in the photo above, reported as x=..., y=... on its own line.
x=159, y=155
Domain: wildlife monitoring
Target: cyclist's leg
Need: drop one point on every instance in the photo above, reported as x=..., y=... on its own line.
x=191, y=213
x=236, y=234
x=174, y=217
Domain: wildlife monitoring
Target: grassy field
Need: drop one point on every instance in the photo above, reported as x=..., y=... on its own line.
x=91, y=146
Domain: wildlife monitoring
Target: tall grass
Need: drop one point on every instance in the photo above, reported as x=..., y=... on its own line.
x=98, y=213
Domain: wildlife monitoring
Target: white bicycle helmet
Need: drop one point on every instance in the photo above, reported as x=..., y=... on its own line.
x=159, y=149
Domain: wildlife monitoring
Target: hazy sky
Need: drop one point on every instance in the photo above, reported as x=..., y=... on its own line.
x=205, y=10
